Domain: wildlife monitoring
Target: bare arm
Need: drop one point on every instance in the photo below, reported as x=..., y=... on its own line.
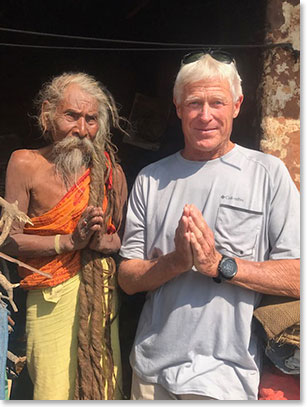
x=146, y=275
x=275, y=277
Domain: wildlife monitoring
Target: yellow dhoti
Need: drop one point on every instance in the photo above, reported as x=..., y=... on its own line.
x=52, y=329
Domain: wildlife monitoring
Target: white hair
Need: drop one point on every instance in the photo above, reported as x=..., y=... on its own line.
x=207, y=67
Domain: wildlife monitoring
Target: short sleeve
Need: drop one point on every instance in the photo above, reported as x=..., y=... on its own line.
x=133, y=244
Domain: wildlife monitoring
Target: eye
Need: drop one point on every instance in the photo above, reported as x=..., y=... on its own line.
x=194, y=103
x=92, y=119
x=217, y=103
x=71, y=116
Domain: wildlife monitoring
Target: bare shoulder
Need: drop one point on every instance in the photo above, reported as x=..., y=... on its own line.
x=21, y=169
x=29, y=180
x=19, y=177
x=23, y=159
x=25, y=163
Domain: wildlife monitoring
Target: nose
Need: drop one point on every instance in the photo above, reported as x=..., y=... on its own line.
x=205, y=112
x=81, y=128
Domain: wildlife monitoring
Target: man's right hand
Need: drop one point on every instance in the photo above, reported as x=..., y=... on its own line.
x=183, y=251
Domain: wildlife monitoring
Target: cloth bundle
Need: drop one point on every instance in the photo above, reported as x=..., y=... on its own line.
x=280, y=320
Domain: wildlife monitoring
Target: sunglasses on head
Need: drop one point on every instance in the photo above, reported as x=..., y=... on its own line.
x=219, y=55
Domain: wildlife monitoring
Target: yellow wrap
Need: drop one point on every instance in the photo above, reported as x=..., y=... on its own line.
x=52, y=329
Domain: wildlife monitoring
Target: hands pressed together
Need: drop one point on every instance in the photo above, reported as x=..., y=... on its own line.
x=89, y=233
x=194, y=242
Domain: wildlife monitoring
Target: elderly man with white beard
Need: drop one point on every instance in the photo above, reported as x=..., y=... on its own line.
x=75, y=193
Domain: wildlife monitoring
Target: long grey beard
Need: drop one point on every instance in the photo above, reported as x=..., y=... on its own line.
x=70, y=156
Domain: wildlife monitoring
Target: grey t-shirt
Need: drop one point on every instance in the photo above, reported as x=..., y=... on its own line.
x=196, y=336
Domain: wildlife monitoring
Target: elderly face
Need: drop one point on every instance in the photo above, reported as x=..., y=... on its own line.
x=76, y=115
x=207, y=111
x=74, y=126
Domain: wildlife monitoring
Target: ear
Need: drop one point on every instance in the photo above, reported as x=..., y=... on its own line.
x=45, y=115
x=178, y=108
x=237, y=107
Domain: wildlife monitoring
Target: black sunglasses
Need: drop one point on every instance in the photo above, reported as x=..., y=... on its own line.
x=219, y=55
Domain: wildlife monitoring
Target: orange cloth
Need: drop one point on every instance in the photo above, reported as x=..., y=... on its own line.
x=62, y=219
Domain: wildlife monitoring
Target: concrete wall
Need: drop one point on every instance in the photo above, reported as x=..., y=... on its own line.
x=280, y=86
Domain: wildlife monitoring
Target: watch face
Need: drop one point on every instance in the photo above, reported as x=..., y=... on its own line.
x=228, y=267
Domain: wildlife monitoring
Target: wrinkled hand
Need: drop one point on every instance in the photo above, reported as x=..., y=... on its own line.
x=90, y=222
x=183, y=251
x=205, y=256
x=105, y=243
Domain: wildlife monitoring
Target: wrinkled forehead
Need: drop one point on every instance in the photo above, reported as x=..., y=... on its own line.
x=207, y=85
x=76, y=97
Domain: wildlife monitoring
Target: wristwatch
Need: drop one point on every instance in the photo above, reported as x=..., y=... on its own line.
x=227, y=269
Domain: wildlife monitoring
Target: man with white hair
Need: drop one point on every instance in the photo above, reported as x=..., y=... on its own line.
x=209, y=229
x=75, y=194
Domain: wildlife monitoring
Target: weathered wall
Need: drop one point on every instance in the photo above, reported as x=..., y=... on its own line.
x=280, y=86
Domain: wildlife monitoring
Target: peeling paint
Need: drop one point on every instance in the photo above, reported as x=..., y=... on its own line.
x=284, y=22
x=278, y=128
x=282, y=68
x=276, y=95
x=281, y=137
x=280, y=87
x=291, y=27
x=284, y=94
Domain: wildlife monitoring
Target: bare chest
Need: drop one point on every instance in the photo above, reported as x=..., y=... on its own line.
x=46, y=191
